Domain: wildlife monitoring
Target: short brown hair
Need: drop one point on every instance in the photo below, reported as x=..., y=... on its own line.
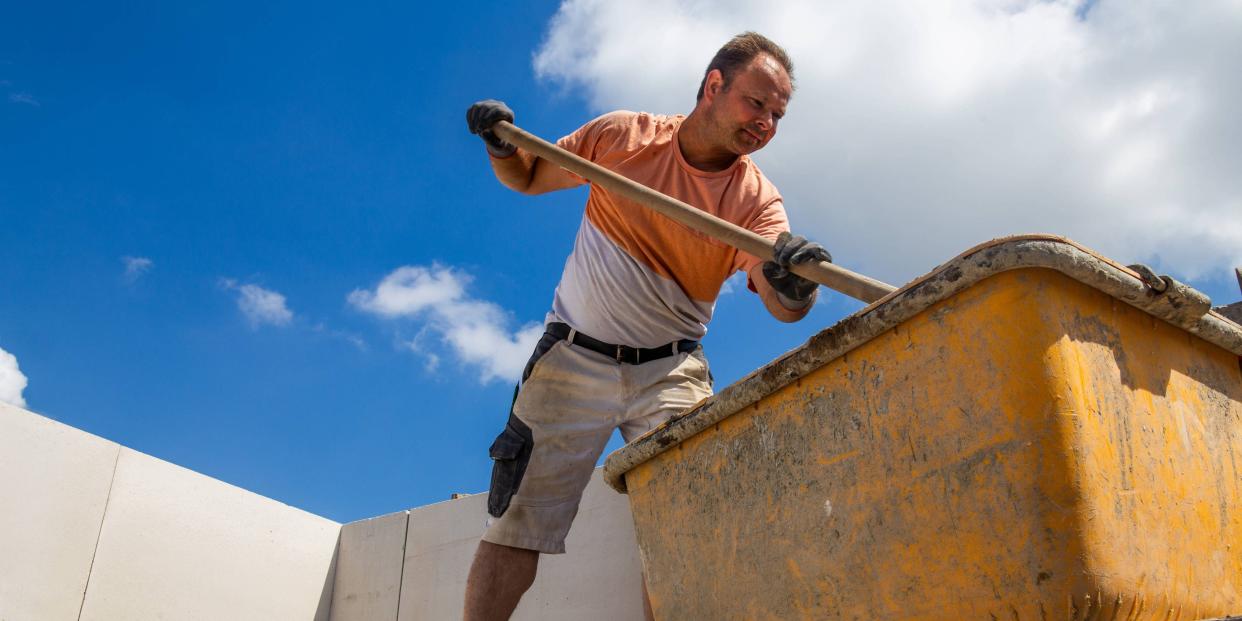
x=739, y=51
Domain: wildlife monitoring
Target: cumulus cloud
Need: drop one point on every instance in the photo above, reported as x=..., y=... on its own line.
x=919, y=129
x=135, y=267
x=12, y=380
x=260, y=306
x=475, y=331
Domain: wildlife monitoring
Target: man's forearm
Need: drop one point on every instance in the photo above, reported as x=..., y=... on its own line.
x=787, y=310
x=772, y=299
x=516, y=171
x=795, y=305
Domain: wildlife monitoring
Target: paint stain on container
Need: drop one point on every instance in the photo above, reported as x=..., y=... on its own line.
x=827, y=508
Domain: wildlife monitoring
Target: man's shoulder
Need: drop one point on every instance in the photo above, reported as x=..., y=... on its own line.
x=636, y=121
x=626, y=131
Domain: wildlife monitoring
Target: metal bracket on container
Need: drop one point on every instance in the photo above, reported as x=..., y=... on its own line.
x=1188, y=303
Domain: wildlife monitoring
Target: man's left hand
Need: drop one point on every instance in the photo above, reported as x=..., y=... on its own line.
x=482, y=117
x=790, y=250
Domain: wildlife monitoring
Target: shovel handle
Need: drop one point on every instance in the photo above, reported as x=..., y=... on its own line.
x=836, y=278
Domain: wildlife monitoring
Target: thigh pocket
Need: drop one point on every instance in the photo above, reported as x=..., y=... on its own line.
x=510, y=454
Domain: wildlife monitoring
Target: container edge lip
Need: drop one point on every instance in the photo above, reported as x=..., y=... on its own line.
x=1028, y=251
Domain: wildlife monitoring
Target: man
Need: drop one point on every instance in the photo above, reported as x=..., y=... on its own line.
x=621, y=348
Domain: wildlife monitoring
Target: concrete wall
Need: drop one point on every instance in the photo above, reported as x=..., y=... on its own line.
x=412, y=565
x=92, y=530
x=54, y=483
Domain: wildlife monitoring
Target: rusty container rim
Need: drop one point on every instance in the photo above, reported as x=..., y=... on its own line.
x=1168, y=300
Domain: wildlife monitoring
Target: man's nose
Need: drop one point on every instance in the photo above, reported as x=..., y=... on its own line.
x=764, y=122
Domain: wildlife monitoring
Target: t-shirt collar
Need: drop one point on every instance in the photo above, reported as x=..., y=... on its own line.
x=686, y=166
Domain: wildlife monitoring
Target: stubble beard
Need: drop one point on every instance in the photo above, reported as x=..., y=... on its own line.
x=730, y=137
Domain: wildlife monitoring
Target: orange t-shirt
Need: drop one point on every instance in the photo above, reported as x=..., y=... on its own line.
x=636, y=277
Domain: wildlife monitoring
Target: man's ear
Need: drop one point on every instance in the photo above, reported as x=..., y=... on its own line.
x=713, y=85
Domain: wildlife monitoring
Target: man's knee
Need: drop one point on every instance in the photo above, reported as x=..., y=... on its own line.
x=504, y=567
x=506, y=554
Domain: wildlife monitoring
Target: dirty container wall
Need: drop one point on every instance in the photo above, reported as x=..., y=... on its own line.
x=1154, y=420
x=1014, y=450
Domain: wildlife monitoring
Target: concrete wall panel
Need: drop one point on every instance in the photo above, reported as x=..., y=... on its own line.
x=54, y=482
x=179, y=545
x=89, y=526
x=368, y=571
x=600, y=575
x=598, y=579
x=441, y=543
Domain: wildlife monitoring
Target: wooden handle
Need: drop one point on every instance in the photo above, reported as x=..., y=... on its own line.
x=827, y=274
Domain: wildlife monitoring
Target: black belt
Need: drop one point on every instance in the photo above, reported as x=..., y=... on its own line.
x=620, y=353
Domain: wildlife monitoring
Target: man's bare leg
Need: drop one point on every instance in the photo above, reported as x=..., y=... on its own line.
x=498, y=578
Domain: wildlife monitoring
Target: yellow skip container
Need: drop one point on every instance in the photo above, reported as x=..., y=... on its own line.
x=1029, y=432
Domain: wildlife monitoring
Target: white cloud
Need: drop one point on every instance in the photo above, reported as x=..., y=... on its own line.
x=135, y=267
x=259, y=305
x=24, y=98
x=919, y=129
x=474, y=330
x=12, y=380
x=410, y=290
x=736, y=282
x=348, y=337
x=431, y=361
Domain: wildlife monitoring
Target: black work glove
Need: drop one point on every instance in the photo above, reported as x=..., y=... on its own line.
x=482, y=116
x=788, y=250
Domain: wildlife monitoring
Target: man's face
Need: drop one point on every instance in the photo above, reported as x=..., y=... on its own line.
x=745, y=114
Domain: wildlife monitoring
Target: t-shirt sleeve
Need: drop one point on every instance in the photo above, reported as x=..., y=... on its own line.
x=598, y=136
x=770, y=222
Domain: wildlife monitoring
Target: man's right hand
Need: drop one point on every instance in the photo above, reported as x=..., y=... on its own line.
x=790, y=250
x=482, y=116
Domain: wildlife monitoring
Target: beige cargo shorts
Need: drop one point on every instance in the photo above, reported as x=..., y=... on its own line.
x=564, y=412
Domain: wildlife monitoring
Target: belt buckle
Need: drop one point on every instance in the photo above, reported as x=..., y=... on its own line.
x=619, y=352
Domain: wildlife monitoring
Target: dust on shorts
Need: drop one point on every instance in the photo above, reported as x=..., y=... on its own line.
x=563, y=414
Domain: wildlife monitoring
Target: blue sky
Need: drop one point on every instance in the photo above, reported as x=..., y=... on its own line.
x=199, y=203
x=308, y=151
